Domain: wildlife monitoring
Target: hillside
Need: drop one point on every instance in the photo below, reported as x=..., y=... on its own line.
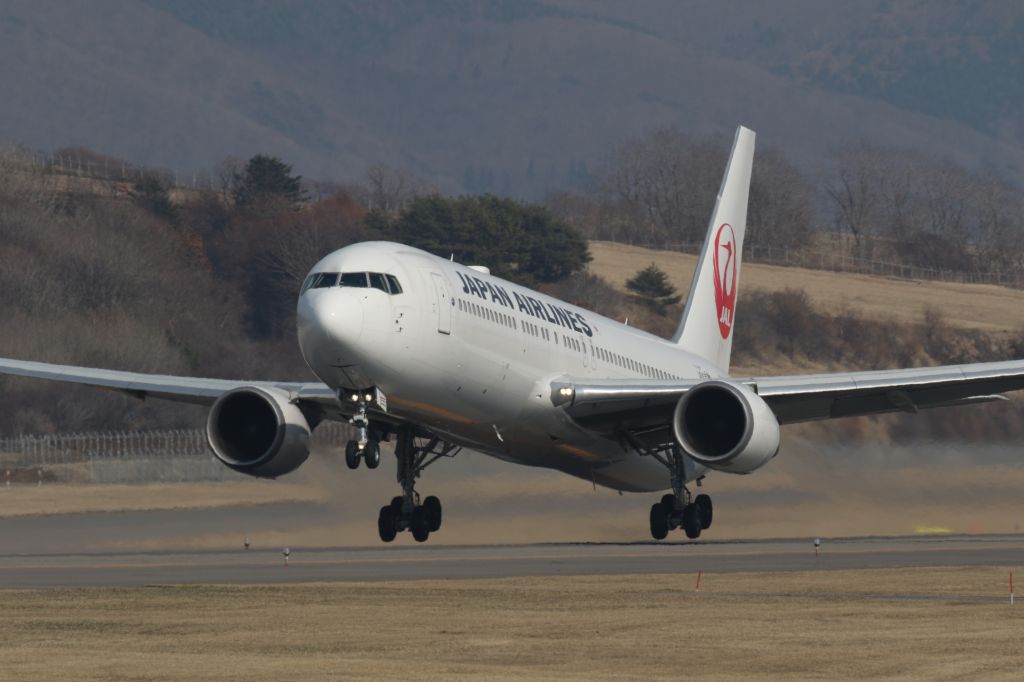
x=512, y=96
x=991, y=309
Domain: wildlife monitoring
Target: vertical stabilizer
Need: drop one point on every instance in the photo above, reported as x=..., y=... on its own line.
x=708, y=321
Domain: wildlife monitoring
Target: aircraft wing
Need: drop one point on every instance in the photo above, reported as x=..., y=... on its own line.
x=180, y=389
x=648, y=404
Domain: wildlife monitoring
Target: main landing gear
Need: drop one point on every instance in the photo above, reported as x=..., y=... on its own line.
x=672, y=512
x=679, y=509
x=407, y=512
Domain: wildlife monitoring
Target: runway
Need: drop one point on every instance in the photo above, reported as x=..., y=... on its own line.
x=405, y=562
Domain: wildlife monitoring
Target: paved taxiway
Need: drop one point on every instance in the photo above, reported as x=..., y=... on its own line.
x=405, y=562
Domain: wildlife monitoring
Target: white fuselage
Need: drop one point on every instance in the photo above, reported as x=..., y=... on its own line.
x=471, y=357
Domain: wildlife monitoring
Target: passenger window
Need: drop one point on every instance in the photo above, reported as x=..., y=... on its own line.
x=353, y=279
x=377, y=282
x=396, y=288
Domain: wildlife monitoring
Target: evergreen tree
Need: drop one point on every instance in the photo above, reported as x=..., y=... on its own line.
x=651, y=285
x=518, y=241
x=267, y=179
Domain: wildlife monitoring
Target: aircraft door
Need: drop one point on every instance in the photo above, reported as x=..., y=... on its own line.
x=443, y=303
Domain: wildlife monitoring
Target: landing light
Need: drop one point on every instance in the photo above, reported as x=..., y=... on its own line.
x=368, y=397
x=355, y=397
x=566, y=391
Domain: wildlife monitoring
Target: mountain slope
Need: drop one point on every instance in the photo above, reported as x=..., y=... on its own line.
x=507, y=96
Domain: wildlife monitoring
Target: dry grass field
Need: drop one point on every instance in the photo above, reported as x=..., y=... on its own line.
x=27, y=500
x=974, y=306
x=912, y=624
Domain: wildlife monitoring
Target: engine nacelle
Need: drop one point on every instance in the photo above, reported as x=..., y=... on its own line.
x=258, y=431
x=726, y=426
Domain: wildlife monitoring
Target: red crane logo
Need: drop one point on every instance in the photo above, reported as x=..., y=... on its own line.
x=725, y=278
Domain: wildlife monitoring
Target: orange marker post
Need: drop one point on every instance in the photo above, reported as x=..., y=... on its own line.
x=1011, y=588
x=699, y=574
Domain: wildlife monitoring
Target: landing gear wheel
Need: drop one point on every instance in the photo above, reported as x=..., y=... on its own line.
x=703, y=504
x=386, y=526
x=692, y=521
x=420, y=524
x=659, y=521
x=432, y=506
x=371, y=454
x=396, y=506
x=352, y=454
x=668, y=500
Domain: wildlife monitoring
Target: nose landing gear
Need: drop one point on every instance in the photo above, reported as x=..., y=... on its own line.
x=366, y=447
x=370, y=453
x=406, y=512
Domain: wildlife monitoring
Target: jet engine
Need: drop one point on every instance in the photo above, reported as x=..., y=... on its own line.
x=726, y=426
x=258, y=431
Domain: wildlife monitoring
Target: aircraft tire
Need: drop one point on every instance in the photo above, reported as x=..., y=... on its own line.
x=420, y=524
x=691, y=521
x=371, y=454
x=659, y=521
x=703, y=504
x=352, y=454
x=432, y=505
x=396, y=506
x=386, y=525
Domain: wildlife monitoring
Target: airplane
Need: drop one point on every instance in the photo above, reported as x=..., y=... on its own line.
x=437, y=356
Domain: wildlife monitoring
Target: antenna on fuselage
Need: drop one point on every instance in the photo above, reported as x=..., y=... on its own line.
x=452, y=258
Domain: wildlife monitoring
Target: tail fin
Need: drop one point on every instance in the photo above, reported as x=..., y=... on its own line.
x=707, y=324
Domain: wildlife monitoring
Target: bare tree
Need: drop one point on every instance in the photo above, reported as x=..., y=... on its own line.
x=226, y=176
x=780, y=210
x=391, y=189
x=855, y=193
x=659, y=185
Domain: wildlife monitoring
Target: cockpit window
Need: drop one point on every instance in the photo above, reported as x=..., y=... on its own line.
x=353, y=279
x=361, y=280
x=319, y=280
x=377, y=282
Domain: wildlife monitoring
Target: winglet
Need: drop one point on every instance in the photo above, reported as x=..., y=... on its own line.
x=706, y=328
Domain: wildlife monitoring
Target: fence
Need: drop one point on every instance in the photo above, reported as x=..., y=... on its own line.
x=127, y=456
x=838, y=260
x=109, y=170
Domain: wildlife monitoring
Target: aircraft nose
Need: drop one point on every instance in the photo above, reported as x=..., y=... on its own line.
x=330, y=323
